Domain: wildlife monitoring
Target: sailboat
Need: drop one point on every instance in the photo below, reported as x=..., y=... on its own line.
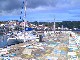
x=23, y=36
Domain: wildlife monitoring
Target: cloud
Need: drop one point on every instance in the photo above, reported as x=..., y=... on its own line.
x=37, y=3
x=9, y=5
x=16, y=4
x=13, y=7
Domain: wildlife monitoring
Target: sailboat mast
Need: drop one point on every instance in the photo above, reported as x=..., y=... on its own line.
x=54, y=25
x=25, y=4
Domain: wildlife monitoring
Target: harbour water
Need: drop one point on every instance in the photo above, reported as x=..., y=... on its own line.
x=4, y=43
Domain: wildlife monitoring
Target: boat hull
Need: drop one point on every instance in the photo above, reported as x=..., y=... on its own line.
x=14, y=41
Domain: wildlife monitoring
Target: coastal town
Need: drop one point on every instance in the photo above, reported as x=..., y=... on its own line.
x=39, y=30
x=41, y=45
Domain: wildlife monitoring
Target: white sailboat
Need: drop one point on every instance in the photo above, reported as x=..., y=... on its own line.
x=22, y=36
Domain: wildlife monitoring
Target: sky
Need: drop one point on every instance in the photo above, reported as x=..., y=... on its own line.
x=41, y=10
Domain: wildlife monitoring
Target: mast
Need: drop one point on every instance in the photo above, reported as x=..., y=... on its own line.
x=54, y=25
x=62, y=28
x=25, y=4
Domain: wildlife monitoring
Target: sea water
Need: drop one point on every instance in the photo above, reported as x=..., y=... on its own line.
x=3, y=41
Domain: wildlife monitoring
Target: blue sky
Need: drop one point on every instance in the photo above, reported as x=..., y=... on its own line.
x=41, y=10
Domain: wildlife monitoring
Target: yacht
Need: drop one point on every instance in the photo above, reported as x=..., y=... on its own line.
x=20, y=37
